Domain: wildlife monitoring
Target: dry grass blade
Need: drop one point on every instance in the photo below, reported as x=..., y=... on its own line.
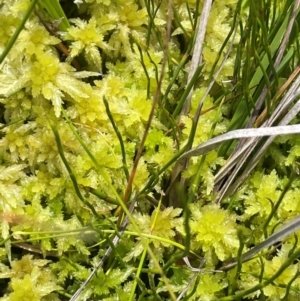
x=245, y=147
x=196, y=61
x=181, y=165
x=253, y=162
x=197, y=53
x=265, y=74
x=276, y=63
x=244, y=133
x=115, y=241
x=286, y=230
x=287, y=34
x=290, y=96
x=282, y=107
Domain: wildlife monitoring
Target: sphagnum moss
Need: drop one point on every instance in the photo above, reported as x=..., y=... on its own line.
x=65, y=135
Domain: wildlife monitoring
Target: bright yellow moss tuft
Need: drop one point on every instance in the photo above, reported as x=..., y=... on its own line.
x=215, y=230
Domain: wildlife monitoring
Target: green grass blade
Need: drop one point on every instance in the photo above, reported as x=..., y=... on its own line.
x=14, y=37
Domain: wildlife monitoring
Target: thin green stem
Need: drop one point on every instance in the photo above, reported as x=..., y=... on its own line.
x=70, y=171
x=56, y=12
x=264, y=283
x=187, y=91
x=14, y=37
x=118, y=133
